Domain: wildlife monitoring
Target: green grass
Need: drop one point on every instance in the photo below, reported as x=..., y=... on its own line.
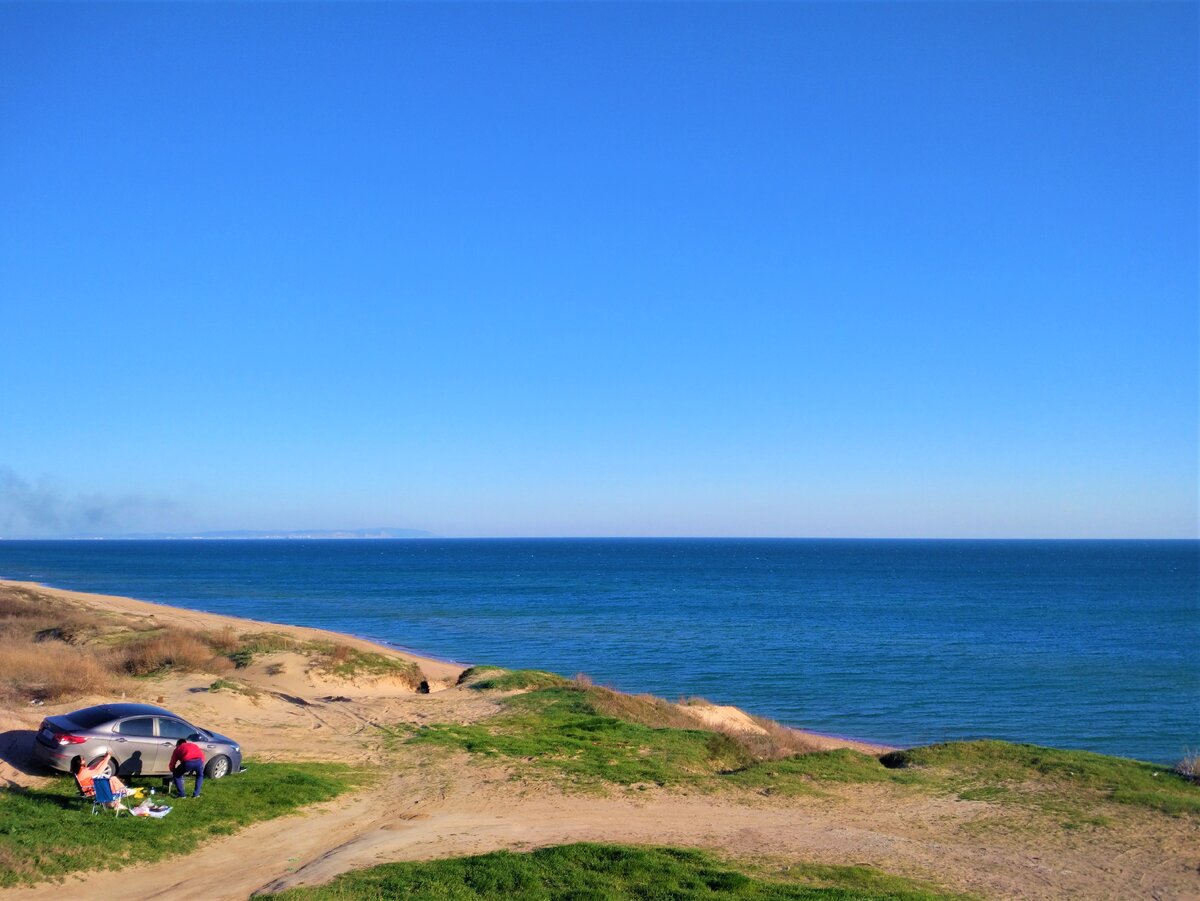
x=567, y=732
x=347, y=662
x=234, y=686
x=1020, y=773
x=804, y=773
x=517, y=680
x=558, y=730
x=49, y=833
x=607, y=873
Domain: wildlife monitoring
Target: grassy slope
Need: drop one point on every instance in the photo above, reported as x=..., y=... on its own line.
x=558, y=730
x=602, y=872
x=490, y=678
x=50, y=833
x=561, y=732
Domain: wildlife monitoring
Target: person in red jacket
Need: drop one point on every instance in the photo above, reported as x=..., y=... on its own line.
x=187, y=758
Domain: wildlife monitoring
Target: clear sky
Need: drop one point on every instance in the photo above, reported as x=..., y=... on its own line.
x=597, y=269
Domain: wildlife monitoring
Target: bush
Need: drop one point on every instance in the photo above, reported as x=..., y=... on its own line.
x=225, y=641
x=50, y=671
x=172, y=649
x=1189, y=766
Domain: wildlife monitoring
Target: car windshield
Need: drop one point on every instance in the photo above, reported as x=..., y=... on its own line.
x=90, y=717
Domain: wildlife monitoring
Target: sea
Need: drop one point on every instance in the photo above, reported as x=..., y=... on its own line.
x=1072, y=644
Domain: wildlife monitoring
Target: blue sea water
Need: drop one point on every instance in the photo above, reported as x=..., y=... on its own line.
x=1074, y=644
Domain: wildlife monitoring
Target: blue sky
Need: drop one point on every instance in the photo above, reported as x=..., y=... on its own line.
x=596, y=269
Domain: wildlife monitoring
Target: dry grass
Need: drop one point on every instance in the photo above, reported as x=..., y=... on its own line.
x=54, y=648
x=1189, y=766
x=775, y=742
x=171, y=649
x=50, y=671
x=645, y=710
x=226, y=641
x=24, y=615
x=51, y=649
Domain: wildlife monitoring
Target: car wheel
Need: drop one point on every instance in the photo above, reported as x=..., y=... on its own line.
x=217, y=768
x=110, y=768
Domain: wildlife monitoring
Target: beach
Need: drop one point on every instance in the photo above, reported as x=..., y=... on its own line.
x=428, y=804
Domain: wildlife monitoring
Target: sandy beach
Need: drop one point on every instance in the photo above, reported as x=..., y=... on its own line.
x=430, y=805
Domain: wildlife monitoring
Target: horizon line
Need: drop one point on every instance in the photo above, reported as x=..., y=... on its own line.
x=433, y=537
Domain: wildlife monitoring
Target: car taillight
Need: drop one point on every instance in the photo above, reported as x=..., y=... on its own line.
x=66, y=739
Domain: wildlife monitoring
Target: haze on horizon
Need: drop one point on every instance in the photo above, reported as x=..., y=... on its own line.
x=587, y=269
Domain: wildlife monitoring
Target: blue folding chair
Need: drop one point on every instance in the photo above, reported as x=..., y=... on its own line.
x=105, y=797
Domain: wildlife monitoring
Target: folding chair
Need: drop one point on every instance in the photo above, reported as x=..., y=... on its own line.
x=105, y=797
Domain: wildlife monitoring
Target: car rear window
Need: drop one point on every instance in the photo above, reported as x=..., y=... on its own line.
x=90, y=717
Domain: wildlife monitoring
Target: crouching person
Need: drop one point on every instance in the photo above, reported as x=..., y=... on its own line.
x=187, y=759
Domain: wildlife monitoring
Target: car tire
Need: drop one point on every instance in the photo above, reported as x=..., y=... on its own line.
x=217, y=768
x=110, y=769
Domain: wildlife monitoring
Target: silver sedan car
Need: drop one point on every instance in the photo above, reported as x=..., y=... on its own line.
x=140, y=738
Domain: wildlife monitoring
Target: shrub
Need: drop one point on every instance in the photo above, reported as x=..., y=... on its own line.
x=346, y=662
x=241, y=658
x=1189, y=766
x=226, y=641
x=173, y=649
x=50, y=672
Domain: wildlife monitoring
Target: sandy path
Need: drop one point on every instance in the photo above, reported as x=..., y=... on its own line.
x=447, y=811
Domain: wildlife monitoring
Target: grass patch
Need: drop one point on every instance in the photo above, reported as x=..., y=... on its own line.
x=474, y=672
x=593, y=735
x=603, y=872
x=803, y=773
x=513, y=680
x=236, y=687
x=1071, y=782
x=560, y=730
x=346, y=662
x=49, y=833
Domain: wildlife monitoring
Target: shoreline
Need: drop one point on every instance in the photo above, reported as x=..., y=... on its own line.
x=432, y=666
x=440, y=670
x=637, y=774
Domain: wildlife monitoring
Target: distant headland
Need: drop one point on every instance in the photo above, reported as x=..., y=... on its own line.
x=250, y=535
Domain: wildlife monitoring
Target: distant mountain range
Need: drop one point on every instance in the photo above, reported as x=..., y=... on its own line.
x=250, y=534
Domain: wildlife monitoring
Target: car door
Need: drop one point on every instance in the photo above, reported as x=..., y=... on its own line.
x=170, y=730
x=136, y=746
